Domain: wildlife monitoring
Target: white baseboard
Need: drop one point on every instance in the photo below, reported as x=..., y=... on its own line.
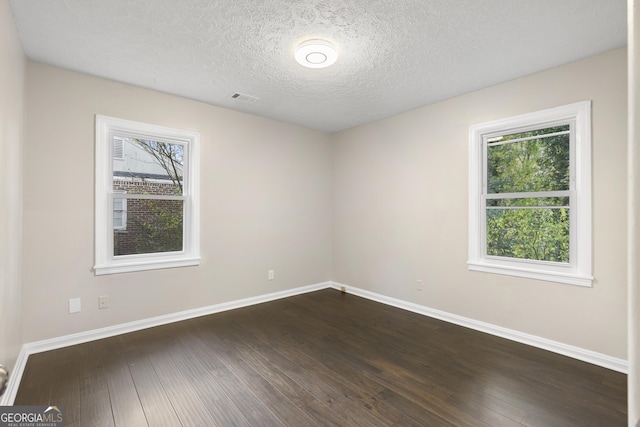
x=123, y=328
x=585, y=355
x=67, y=340
x=589, y=356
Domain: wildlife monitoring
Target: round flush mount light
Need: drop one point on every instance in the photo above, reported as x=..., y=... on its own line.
x=316, y=54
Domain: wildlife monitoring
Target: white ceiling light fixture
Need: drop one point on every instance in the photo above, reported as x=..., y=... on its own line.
x=316, y=54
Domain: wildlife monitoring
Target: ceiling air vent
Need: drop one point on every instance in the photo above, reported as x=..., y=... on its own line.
x=242, y=97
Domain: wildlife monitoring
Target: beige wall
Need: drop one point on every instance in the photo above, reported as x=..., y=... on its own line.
x=265, y=204
x=400, y=209
x=12, y=82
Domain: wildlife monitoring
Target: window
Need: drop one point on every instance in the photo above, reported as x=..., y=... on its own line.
x=119, y=211
x=119, y=205
x=147, y=206
x=118, y=148
x=530, y=195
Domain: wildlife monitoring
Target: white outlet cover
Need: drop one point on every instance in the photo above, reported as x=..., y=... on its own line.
x=103, y=302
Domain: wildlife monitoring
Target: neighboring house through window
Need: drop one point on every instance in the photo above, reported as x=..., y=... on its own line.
x=146, y=196
x=530, y=195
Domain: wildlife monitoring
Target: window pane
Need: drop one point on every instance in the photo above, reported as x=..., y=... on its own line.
x=534, y=201
x=153, y=226
x=117, y=204
x=534, y=233
x=540, y=164
x=117, y=219
x=150, y=167
x=119, y=212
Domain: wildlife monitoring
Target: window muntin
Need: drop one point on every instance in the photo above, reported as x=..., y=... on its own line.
x=155, y=182
x=529, y=195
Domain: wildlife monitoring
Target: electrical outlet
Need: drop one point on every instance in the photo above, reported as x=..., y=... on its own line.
x=271, y=275
x=418, y=285
x=74, y=305
x=103, y=302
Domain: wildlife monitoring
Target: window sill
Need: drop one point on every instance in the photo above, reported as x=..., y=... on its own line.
x=126, y=267
x=536, y=274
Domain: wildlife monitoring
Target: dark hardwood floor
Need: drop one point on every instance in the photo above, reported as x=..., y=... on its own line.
x=323, y=358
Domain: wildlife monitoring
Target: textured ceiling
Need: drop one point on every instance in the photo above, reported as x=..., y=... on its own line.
x=394, y=55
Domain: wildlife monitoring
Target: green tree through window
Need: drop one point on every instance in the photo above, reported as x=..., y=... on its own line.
x=527, y=202
x=151, y=173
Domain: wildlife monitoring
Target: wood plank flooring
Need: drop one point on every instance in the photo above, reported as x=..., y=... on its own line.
x=320, y=359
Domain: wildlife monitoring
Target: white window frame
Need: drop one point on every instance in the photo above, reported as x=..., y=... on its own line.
x=578, y=270
x=105, y=261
